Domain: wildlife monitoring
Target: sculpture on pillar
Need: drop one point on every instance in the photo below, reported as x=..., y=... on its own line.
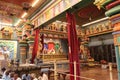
x=40, y=46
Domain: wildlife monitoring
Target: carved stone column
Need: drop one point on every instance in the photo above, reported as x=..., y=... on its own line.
x=116, y=34
x=113, y=11
x=30, y=43
x=23, y=52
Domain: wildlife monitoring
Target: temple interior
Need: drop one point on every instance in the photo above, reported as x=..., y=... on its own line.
x=59, y=39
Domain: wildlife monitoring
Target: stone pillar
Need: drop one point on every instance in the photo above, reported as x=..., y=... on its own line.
x=116, y=34
x=23, y=52
x=113, y=11
x=30, y=43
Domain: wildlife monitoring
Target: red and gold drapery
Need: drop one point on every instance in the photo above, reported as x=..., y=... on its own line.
x=35, y=47
x=73, y=45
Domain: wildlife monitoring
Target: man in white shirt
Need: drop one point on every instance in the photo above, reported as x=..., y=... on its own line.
x=6, y=75
x=43, y=76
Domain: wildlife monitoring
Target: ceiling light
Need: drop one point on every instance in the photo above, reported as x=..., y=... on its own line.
x=95, y=21
x=6, y=24
x=17, y=22
x=34, y=3
x=24, y=15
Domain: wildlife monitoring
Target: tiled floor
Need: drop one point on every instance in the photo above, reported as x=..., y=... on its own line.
x=97, y=73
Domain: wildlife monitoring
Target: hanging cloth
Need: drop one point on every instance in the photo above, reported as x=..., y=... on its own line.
x=73, y=45
x=35, y=47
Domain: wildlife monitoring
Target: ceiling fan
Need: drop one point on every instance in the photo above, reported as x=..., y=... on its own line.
x=26, y=6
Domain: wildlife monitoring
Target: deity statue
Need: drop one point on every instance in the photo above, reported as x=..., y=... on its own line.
x=84, y=52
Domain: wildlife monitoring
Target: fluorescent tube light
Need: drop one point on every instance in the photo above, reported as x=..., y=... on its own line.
x=95, y=21
x=6, y=24
x=17, y=22
x=35, y=2
x=24, y=15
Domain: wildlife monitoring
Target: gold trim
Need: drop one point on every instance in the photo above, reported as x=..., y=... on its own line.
x=114, y=16
x=103, y=32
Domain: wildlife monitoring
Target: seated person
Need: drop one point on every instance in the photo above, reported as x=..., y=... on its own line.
x=43, y=76
x=26, y=76
x=16, y=77
x=33, y=76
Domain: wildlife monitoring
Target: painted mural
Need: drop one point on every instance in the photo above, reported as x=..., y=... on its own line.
x=8, y=49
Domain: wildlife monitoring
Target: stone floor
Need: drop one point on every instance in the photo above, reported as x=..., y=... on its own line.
x=97, y=73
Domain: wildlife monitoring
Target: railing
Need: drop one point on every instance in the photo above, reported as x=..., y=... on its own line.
x=62, y=68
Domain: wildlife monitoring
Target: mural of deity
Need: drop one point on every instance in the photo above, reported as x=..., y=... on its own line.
x=8, y=49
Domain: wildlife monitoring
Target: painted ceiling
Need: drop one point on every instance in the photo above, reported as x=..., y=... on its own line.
x=86, y=14
x=12, y=10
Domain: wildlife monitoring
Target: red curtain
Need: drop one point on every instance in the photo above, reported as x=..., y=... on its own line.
x=35, y=47
x=73, y=45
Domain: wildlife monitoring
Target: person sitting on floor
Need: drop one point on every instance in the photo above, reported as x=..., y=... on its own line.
x=16, y=77
x=43, y=76
x=33, y=76
x=6, y=75
x=26, y=76
x=11, y=75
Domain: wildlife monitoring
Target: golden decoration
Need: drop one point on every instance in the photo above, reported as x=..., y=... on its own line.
x=98, y=3
x=9, y=29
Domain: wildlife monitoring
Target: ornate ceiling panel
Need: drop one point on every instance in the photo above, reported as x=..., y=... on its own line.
x=16, y=8
x=18, y=2
x=89, y=11
x=13, y=7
